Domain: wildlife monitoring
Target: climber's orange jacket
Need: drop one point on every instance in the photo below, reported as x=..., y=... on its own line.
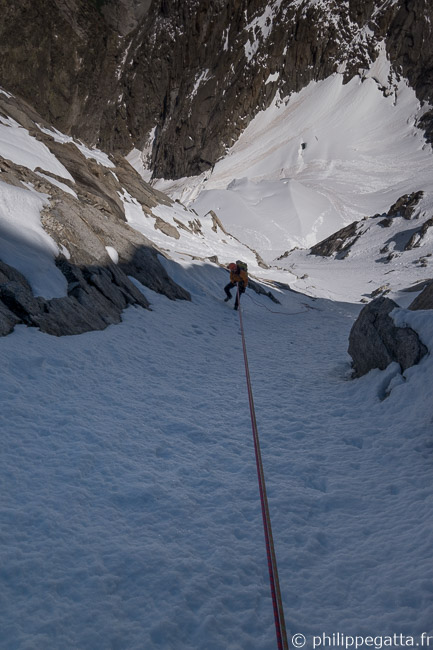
x=239, y=276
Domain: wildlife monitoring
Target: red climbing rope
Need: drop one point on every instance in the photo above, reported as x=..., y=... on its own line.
x=280, y=626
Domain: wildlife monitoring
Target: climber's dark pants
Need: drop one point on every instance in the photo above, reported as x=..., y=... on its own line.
x=231, y=285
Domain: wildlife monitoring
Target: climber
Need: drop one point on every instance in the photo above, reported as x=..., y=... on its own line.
x=238, y=276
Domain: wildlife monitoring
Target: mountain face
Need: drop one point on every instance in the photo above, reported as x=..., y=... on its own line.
x=182, y=84
x=181, y=80
x=128, y=431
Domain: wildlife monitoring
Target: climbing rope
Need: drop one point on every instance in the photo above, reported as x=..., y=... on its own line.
x=280, y=626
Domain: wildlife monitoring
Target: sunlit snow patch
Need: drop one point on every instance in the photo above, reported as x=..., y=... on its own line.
x=266, y=213
x=4, y=92
x=140, y=160
x=17, y=145
x=136, y=159
x=95, y=154
x=112, y=252
x=58, y=184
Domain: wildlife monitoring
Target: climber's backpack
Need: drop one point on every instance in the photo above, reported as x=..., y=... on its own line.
x=243, y=266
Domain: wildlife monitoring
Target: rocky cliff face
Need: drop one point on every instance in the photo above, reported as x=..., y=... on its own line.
x=181, y=80
x=61, y=57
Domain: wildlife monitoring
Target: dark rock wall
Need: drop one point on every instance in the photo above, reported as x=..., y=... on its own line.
x=425, y=299
x=409, y=44
x=110, y=71
x=62, y=58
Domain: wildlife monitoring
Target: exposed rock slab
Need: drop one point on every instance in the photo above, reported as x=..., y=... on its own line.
x=338, y=242
x=405, y=206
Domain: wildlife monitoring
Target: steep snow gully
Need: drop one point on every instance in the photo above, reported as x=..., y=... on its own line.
x=130, y=513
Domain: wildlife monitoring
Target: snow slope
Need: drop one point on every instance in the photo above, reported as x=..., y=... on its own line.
x=316, y=161
x=129, y=506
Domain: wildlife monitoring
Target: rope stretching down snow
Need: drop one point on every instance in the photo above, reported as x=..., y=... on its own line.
x=280, y=625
